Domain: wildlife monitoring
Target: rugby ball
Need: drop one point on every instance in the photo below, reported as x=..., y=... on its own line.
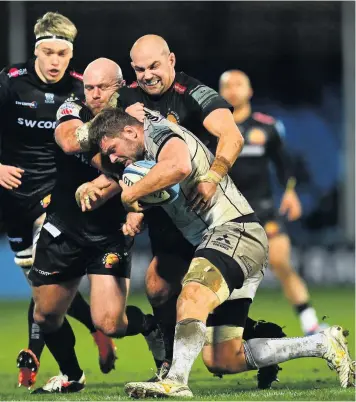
x=136, y=171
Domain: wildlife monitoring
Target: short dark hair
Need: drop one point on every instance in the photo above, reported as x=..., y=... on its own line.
x=110, y=122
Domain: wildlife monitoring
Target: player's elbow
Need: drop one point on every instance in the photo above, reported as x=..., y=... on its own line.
x=183, y=170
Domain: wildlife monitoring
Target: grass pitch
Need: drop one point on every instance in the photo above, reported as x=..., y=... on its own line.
x=302, y=379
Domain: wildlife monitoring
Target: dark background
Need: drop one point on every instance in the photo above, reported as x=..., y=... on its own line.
x=291, y=50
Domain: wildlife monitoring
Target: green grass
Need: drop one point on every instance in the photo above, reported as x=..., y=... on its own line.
x=302, y=379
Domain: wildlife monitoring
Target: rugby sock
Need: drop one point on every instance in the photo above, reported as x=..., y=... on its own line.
x=262, y=352
x=166, y=320
x=61, y=344
x=188, y=342
x=80, y=310
x=36, y=342
x=138, y=323
x=308, y=318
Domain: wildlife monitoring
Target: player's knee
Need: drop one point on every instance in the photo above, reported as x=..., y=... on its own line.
x=157, y=289
x=111, y=325
x=48, y=322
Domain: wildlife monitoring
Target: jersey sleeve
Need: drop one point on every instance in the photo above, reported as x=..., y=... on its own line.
x=204, y=100
x=5, y=93
x=279, y=154
x=68, y=111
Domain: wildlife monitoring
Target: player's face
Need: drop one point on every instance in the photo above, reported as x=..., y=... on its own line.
x=52, y=60
x=98, y=90
x=124, y=149
x=154, y=72
x=236, y=89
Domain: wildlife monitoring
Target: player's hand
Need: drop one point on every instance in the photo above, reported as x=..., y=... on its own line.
x=126, y=198
x=89, y=197
x=133, y=225
x=10, y=176
x=136, y=111
x=200, y=198
x=291, y=205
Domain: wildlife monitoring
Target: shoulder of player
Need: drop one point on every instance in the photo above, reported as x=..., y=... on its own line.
x=184, y=83
x=15, y=71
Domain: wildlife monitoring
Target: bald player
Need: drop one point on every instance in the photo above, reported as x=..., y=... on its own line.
x=264, y=137
x=73, y=243
x=188, y=102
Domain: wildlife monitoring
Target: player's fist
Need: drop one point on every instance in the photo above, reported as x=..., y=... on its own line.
x=133, y=225
x=136, y=111
x=10, y=176
x=291, y=205
x=88, y=197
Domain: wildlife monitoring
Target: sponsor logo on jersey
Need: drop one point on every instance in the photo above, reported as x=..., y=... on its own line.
x=68, y=109
x=110, y=259
x=173, y=117
x=271, y=228
x=46, y=201
x=76, y=75
x=49, y=98
x=263, y=118
x=36, y=124
x=256, y=136
x=203, y=95
x=179, y=88
x=32, y=105
x=16, y=72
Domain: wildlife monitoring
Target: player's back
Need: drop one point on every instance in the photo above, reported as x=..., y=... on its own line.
x=28, y=108
x=227, y=204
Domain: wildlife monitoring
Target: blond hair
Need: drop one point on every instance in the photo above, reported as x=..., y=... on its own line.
x=55, y=24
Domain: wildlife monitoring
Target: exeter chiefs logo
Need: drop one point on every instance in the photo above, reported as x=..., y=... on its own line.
x=110, y=259
x=46, y=201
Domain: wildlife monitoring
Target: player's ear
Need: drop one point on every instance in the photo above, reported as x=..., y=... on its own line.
x=172, y=59
x=250, y=93
x=132, y=65
x=36, y=52
x=130, y=132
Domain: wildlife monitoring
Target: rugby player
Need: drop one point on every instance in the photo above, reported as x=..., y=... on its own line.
x=264, y=137
x=30, y=94
x=72, y=243
x=186, y=101
x=230, y=258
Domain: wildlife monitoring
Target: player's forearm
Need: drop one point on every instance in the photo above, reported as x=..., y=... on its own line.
x=220, y=123
x=107, y=185
x=163, y=175
x=65, y=136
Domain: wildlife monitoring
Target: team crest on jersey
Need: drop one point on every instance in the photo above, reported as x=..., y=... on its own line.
x=110, y=259
x=271, y=228
x=173, y=117
x=46, y=201
x=49, y=98
x=256, y=136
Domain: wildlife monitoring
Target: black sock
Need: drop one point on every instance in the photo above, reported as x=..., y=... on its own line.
x=249, y=330
x=80, y=310
x=166, y=320
x=299, y=308
x=138, y=323
x=61, y=344
x=36, y=342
